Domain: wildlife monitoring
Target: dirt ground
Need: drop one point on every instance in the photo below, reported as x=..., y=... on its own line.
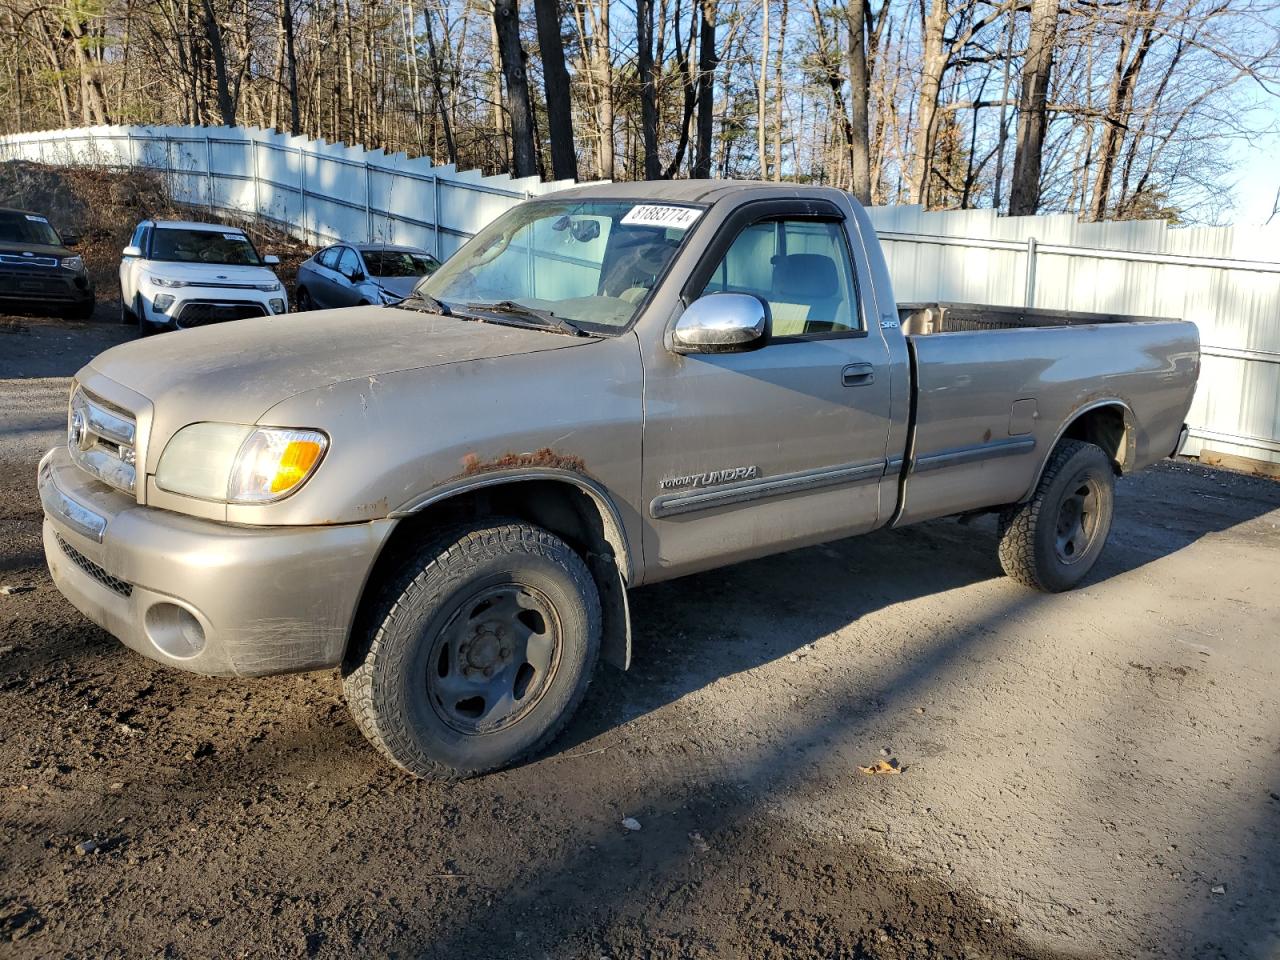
x=1095, y=774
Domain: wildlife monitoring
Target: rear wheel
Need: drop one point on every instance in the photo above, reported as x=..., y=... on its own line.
x=478, y=653
x=1052, y=541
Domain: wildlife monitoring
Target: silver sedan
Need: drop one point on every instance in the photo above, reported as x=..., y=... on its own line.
x=348, y=275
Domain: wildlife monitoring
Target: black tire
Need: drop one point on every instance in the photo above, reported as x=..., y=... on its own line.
x=1052, y=541
x=145, y=327
x=428, y=681
x=303, y=300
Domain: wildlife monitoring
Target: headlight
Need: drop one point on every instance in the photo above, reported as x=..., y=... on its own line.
x=233, y=463
x=271, y=287
x=162, y=282
x=73, y=263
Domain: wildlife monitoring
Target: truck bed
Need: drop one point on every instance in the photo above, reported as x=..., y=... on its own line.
x=921, y=319
x=993, y=387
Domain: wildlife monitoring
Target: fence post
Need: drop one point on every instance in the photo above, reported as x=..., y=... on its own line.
x=257, y=190
x=1029, y=299
x=302, y=193
x=435, y=211
x=368, y=205
x=208, y=165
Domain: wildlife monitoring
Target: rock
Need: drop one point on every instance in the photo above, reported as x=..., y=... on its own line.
x=793, y=658
x=1218, y=888
x=10, y=589
x=699, y=842
x=630, y=823
x=885, y=751
x=85, y=847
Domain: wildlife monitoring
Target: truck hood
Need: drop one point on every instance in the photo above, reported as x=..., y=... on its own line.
x=209, y=272
x=235, y=372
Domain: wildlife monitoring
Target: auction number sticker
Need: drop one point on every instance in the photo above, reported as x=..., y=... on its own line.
x=662, y=215
x=235, y=236
x=32, y=216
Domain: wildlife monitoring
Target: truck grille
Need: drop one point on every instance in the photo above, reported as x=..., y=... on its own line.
x=198, y=313
x=101, y=441
x=114, y=584
x=34, y=283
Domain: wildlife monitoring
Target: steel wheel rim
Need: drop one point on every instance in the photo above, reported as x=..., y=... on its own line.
x=1079, y=517
x=494, y=659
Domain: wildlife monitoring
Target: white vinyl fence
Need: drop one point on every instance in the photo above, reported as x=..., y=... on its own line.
x=1225, y=279
x=320, y=192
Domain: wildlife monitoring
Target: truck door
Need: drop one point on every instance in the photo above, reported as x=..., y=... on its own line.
x=749, y=453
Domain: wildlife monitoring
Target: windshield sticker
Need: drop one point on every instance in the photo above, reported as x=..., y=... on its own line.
x=235, y=236
x=32, y=216
x=658, y=215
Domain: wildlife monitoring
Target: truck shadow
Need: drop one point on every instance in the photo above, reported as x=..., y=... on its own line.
x=690, y=632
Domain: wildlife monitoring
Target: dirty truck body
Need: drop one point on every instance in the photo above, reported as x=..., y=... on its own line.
x=471, y=485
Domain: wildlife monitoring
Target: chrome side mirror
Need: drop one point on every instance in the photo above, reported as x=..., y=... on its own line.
x=722, y=323
x=270, y=260
x=131, y=251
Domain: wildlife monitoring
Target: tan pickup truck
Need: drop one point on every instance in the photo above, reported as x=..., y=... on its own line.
x=450, y=498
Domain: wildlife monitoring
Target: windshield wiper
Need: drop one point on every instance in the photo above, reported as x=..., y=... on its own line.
x=546, y=319
x=429, y=304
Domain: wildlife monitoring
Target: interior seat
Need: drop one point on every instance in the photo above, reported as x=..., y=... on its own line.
x=805, y=295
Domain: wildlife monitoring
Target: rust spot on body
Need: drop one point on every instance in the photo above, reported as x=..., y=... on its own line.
x=546, y=457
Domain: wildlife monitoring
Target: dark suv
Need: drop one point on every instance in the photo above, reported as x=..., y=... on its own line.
x=37, y=271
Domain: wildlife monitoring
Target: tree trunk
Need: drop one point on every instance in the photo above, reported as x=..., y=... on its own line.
x=450, y=147
x=291, y=59
x=933, y=62
x=779, y=92
x=762, y=89
x=706, y=88
x=506, y=16
x=1024, y=192
x=213, y=33
x=859, y=87
x=648, y=89
x=555, y=83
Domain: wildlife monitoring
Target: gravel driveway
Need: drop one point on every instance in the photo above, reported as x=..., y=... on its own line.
x=1094, y=774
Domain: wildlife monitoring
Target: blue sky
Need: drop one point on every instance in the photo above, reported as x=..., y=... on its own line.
x=1257, y=177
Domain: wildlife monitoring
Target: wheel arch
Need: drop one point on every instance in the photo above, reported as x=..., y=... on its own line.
x=1107, y=423
x=573, y=507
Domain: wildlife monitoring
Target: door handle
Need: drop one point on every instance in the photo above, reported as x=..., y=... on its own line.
x=858, y=375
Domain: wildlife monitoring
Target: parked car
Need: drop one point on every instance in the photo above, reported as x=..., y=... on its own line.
x=176, y=274
x=604, y=388
x=351, y=275
x=38, y=269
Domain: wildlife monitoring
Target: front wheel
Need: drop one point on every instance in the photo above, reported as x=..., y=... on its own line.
x=1052, y=541
x=478, y=653
x=303, y=300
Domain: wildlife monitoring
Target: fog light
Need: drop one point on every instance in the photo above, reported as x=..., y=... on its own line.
x=162, y=303
x=277, y=305
x=174, y=630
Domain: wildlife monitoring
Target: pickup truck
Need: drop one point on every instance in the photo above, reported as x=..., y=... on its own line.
x=449, y=499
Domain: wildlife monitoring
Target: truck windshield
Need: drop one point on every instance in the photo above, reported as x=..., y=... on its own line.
x=591, y=262
x=26, y=228
x=203, y=246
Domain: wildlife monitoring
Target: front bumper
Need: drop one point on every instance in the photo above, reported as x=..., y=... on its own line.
x=37, y=288
x=202, y=596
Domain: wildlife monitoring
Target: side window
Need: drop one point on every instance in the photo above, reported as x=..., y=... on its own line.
x=136, y=240
x=348, y=262
x=329, y=258
x=144, y=241
x=801, y=268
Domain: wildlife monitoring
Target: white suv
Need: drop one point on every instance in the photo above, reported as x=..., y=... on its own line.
x=176, y=274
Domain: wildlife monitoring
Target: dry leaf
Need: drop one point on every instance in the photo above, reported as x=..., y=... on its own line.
x=881, y=766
